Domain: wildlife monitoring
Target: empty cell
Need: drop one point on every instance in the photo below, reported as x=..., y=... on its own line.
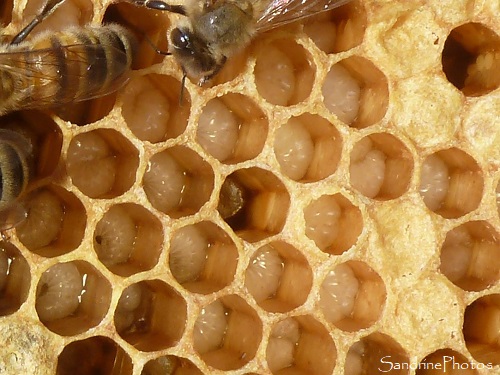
x=70, y=13
x=72, y=297
x=202, y=257
x=373, y=352
x=15, y=279
x=451, y=183
x=102, y=163
x=356, y=91
x=352, y=296
x=300, y=345
x=445, y=361
x=151, y=107
x=128, y=239
x=308, y=148
x=381, y=167
x=338, y=30
x=227, y=333
x=333, y=223
x=170, y=364
x=470, y=256
x=278, y=277
x=94, y=355
x=254, y=203
x=55, y=223
x=481, y=329
x=283, y=73
x=232, y=128
x=150, y=315
x=471, y=59
x=178, y=181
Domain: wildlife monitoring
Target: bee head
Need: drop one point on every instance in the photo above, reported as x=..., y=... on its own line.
x=192, y=53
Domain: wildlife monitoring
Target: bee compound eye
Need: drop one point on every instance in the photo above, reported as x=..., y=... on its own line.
x=180, y=39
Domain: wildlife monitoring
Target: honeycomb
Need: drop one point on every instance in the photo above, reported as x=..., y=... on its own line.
x=328, y=204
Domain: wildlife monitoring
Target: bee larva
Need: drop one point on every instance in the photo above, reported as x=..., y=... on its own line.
x=215, y=30
x=56, y=68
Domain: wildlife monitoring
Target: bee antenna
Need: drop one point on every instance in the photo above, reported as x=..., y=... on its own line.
x=157, y=50
x=183, y=83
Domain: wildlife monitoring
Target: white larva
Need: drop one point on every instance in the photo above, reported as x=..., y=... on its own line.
x=434, y=182
x=367, y=168
x=210, y=328
x=322, y=221
x=188, y=253
x=218, y=130
x=59, y=291
x=262, y=277
x=294, y=149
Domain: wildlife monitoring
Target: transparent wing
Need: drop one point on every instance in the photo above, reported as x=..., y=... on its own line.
x=52, y=77
x=281, y=12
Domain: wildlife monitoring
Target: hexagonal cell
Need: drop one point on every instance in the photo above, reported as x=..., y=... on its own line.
x=333, y=223
x=284, y=72
x=254, y=202
x=170, y=364
x=72, y=297
x=232, y=128
x=178, y=181
x=308, y=148
x=356, y=91
x=94, y=355
x=470, y=256
x=300, y=345
x=381, y=167
x=446, y=361
x=15, y=279
x=471, y=59
x=278, y=277
x=451, y=183
x=55, y=224
x=148, y=25
x=102, y=163
x=70, y=13
x=202, y=257
x=352, y=296
x=128, y=239
x=378, y=352
x=481, y=332
x=150, y=107
x=227, y=333
x=338, y=30
x=150, y=315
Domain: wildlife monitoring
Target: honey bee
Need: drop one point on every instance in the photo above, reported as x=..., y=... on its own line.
x=16, y=170
x=56, y=68
x=214, y=30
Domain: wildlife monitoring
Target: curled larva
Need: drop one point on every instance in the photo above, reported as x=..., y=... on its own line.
x=455, y=261
x=367, y=168
x=274, y=76
x=341, y=94
x=294, y=149
x=322, y=221
x=44, y=221
x=338, y=293
x=127, y=304
x=434, y=182
x=262, y=277
x=59, y=292
x=146, y=110
x=282, y=344
x=210, y=328
x=114, y=237
x=164, y=182
x=218, y=130
x=188, y=253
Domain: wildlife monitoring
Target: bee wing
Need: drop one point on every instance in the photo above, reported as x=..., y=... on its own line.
x=67, y=74
x=12, y=216
x=282, y=12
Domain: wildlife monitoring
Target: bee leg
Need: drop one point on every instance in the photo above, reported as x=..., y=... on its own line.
x=47, y=10
x=160, y=5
